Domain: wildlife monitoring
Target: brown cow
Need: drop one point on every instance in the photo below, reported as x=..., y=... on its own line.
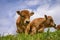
x=58, y=27
x=38, y=25
x=23, y=20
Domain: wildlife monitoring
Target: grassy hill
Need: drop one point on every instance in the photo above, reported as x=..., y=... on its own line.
x=39, y=36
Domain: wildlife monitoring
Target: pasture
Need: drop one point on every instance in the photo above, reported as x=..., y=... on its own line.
x=39, y=36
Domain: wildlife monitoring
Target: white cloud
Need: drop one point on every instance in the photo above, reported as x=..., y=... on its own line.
x=45, y=9
x=40, y=11
x=32, y=2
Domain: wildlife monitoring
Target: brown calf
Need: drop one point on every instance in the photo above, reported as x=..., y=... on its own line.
x=38, y=24
x=23, y=20
x=58, y=27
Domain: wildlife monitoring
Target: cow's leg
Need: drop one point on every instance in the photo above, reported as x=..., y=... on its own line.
x=33, y=30
x=19, y=30
x=27, y=29
x=41, y=29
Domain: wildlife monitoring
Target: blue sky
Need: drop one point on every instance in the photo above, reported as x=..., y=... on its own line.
x=8, y=10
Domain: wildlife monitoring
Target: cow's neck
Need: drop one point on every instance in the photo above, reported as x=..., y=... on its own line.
x=45, y=24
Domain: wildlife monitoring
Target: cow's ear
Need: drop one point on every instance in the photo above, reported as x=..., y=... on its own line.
x=32, y=13
x=45, y=16
x=18, y=12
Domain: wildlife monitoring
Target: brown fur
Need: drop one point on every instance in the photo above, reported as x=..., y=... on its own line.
x=38, y=25
x=23, y=20
x=58, y=27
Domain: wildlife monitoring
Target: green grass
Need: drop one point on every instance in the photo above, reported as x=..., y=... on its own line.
x=39, y=36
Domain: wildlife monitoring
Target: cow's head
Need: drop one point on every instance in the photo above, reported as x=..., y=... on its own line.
x=25, y=15
x=49, y=21
x=58, y=27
